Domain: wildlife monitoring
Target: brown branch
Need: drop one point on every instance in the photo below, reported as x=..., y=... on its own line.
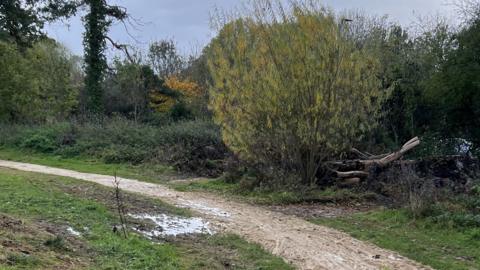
x=360, y=154
x=359, y=168
x=351, y=174
x=122, y=47
x=396, y=155
x=366, y=155
x=120, y=207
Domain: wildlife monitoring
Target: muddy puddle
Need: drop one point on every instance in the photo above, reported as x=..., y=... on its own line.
x=166, y=225
x=73, y=232
x=204, y=208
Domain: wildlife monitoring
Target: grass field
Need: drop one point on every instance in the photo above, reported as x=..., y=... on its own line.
x=36, y=212
x=150, y=173
x=426, y=242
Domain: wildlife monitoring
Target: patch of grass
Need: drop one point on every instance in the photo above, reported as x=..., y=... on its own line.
x=56, y=243
x=217, y=185
x=28, y=245
x=249, y=253
x=32, y=196
x=421, y=239
x=22, y=261
x=61, y=202
x=146, y=172
x=271, y=197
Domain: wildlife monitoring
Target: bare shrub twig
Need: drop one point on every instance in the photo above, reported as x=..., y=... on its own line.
x=120, y=205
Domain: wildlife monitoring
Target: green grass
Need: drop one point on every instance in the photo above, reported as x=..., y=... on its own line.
x=42, y=201
x=146, y=172
x=33, y=197
x=272, y=197
x=159, y=174
x=421, y=240
x=28, y=196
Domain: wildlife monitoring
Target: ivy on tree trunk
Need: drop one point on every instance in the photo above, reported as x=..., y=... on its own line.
x=97, y=21
x=96, y=25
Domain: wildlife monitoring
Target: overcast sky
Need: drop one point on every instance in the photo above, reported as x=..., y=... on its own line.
x=187, y=21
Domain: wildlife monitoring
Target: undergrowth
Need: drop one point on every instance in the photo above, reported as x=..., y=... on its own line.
x=190, y=146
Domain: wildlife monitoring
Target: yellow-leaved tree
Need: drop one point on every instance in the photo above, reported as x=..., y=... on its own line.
x=177, y=90
x=289, y=88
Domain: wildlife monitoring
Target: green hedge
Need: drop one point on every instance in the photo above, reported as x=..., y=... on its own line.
x=185, y=144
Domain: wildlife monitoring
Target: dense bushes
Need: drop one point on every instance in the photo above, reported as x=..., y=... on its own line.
x=38, y=84
x=189, y=146
x=442, y=190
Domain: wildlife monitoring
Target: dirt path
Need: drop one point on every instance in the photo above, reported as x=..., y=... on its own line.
x=305, y=245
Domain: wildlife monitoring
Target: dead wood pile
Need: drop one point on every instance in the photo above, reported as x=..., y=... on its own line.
x=351, y=172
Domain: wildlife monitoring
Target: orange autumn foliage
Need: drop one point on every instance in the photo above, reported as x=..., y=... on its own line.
x=162, y=102
x=188, y=88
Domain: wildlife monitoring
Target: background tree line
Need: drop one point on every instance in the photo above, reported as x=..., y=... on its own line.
x=289, y=87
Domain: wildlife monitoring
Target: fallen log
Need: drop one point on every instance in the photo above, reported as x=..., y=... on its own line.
x=359, y=168
x=352, y=174
x=397, y=155
x=389, y=158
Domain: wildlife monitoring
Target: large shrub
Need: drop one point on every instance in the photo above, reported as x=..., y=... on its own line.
x=289, y=88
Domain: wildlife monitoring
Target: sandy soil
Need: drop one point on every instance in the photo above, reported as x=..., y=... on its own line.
x=303, y=244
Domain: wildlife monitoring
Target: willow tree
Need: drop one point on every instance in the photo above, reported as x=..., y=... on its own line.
x=289, y=88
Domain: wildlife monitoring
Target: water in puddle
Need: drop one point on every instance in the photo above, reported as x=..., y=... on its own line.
x=172, y=226
x=73, y=232
x=205, y=209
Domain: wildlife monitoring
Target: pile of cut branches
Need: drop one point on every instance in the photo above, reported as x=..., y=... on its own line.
x=351, y=172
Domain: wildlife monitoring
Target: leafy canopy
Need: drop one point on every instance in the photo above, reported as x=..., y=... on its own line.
x=22, y=21
x=37, y=85
x=455, y=88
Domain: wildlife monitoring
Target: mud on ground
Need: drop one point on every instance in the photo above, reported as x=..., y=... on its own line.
x=323, y=210
x=36, y=243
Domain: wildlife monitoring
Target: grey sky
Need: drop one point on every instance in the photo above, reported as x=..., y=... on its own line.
x=187, y=21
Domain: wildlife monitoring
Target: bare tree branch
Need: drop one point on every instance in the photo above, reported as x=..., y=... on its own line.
x=122, y=47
